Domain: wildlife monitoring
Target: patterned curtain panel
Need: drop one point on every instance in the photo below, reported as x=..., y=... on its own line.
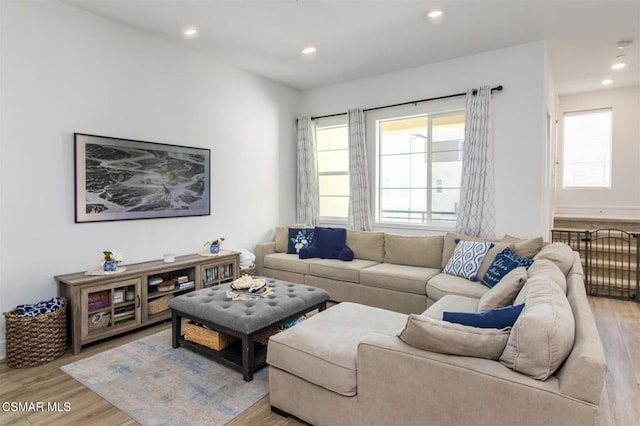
x=359, y=194
x=476, y=215
x=308, y=201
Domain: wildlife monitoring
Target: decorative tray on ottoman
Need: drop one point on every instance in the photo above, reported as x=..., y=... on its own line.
x=248, y=284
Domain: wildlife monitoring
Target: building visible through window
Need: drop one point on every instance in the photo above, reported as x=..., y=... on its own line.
x=419, y=167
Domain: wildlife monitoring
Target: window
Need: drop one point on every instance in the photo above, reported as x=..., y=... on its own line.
x=587, y=149
x=332, y=139
x=420, y=167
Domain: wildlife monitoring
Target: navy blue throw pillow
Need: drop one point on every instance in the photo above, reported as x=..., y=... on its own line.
x=328, y=243
x=494, y=318
x=299, y=238
x=504, y=262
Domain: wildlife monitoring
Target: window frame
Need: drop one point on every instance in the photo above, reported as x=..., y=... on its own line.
x=606, y=187
x=334, y=121
x=432, y=108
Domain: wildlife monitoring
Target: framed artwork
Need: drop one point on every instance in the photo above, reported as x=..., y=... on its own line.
x=121, y=179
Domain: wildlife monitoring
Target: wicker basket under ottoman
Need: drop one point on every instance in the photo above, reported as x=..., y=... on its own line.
x=205, y=337
x=263, y=338
x=33, y=341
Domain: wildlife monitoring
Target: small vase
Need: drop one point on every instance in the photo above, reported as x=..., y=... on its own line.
x=214, y=248
x=110, y=265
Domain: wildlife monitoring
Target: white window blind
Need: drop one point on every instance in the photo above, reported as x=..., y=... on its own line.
x=587, y=149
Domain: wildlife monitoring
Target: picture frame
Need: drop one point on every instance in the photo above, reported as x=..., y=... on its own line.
x=124, y=179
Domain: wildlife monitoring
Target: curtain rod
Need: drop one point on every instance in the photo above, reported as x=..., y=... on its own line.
x=497, y=88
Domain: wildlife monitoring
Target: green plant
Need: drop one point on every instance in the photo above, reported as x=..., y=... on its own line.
x=109, y=255
x=214, y=242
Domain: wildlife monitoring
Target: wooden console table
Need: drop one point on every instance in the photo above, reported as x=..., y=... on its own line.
x=101, y=306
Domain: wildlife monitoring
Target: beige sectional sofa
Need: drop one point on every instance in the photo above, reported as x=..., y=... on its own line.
x=396, y=272
x=352, y=365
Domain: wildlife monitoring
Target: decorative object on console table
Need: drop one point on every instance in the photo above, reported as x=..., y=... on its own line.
x=214, y=245
x=110, y=260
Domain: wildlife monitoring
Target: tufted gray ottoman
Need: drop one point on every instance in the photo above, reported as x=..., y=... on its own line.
x=243, y=319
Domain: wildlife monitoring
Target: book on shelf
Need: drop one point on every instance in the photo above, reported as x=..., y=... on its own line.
x=123, y=313
x=185, y=285
x=182, y=279
x=123, y=317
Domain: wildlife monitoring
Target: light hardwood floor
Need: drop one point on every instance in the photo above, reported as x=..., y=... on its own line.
x=618, y=323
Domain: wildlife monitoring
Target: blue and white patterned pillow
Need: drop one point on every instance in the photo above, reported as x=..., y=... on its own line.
x=299, y=238
x=467, y=258
x=504, y=262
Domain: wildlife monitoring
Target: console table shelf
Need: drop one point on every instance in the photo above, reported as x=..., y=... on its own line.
x=101, y=306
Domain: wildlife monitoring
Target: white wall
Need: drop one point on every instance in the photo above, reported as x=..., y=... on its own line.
x=623, y=199
x=518, y=119
x=63, y=71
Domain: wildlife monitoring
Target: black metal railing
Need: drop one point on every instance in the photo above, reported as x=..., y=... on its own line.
x=611, y=260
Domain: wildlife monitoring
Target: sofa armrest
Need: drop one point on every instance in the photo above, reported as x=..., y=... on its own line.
x=400, y=384
x=263, y=249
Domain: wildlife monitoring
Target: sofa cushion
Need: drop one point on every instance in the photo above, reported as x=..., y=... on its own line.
x=409, y=279
x=449, y=338
x=504, y=262
x=466, y=259
x=523, y=247
x=410, y=250
x=339, y=270
x=443, y=284
x=493, y=318
x=505, y=292
x=449, y=247
x=451, y=303
x=548, y=269
x=328, y=243
x=367, y=245
x=288, y=262
x=449, y=244
x=542, y=337
x=299, y=238
x=559, y=253
x=282, y=236
x=324, y=349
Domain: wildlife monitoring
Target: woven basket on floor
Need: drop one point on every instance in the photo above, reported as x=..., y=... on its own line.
x=33, y=341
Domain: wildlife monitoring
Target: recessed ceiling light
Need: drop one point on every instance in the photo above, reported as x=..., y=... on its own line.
x=434, y=14
x=619, y=63
x=309, y=50
x=623, y=44
x=607, y=82
x=190, y=32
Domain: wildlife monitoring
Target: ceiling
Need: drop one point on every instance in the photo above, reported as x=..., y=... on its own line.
x=355, y=39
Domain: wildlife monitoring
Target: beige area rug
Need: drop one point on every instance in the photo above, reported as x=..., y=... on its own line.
x=158, y=385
